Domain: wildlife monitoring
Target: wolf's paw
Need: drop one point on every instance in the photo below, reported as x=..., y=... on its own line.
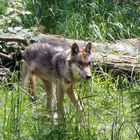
x=33, y=98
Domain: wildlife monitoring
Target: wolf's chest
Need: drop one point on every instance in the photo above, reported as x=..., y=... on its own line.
x=70, y=83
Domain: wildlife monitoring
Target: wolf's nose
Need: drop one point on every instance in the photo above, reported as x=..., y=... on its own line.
x=88, y=77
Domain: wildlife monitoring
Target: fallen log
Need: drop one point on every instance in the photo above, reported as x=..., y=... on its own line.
x=119, y=62
x=129, y=47
x=122, y=54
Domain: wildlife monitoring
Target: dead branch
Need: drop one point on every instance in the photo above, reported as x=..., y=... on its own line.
x=5, y=56
x=14, y=39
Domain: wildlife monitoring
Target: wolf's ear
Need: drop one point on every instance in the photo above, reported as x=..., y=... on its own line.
x=88, y=47
x=74, y=49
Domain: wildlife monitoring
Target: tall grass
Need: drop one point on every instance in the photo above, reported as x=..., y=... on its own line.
x=95, y=20
x=112, y=105
x=111, y=110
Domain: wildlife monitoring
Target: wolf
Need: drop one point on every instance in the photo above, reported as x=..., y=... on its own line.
x=65, y=69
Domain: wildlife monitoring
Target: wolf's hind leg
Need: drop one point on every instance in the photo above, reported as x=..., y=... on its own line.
x=32, y=83
x=25, y=74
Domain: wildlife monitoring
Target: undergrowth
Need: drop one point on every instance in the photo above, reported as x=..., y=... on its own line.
x=111, y=108
x=111, y=104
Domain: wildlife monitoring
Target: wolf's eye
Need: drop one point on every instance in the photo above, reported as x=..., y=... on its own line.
x=80, y=63
x=89, y=63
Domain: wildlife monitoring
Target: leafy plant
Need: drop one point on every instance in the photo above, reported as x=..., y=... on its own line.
x=11, y=17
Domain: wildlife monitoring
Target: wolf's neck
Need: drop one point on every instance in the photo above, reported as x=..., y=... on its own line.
x=70, y=78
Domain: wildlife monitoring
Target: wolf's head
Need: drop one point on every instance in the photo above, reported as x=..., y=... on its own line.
x=80, y=61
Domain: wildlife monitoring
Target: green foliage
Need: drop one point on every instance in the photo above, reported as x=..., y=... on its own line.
x=111, y=110
x=12, y=15
x=85, y=19
x=94, y=20
x=112, y=106
x=2, y=7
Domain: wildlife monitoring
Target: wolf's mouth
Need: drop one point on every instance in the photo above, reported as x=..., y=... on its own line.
x=86, y=77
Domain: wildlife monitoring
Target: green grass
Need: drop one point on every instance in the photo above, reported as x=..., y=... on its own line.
x=111, y=108
x=88, y=20
x=112, y=105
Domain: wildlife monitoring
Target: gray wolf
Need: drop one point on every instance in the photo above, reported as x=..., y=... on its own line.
x=63, y=68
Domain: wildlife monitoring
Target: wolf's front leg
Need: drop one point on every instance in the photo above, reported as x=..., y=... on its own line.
x=76, y=103
x=49, y=93
x=60, y=99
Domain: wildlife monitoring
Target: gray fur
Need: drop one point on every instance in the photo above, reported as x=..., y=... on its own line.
x=60, y=65
x=48, y=58
x=52, y=66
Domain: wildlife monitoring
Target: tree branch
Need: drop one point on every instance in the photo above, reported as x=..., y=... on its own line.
x=5, y=56
x=14, y=39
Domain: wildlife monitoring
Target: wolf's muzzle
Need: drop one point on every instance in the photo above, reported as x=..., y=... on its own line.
x=88, y=77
